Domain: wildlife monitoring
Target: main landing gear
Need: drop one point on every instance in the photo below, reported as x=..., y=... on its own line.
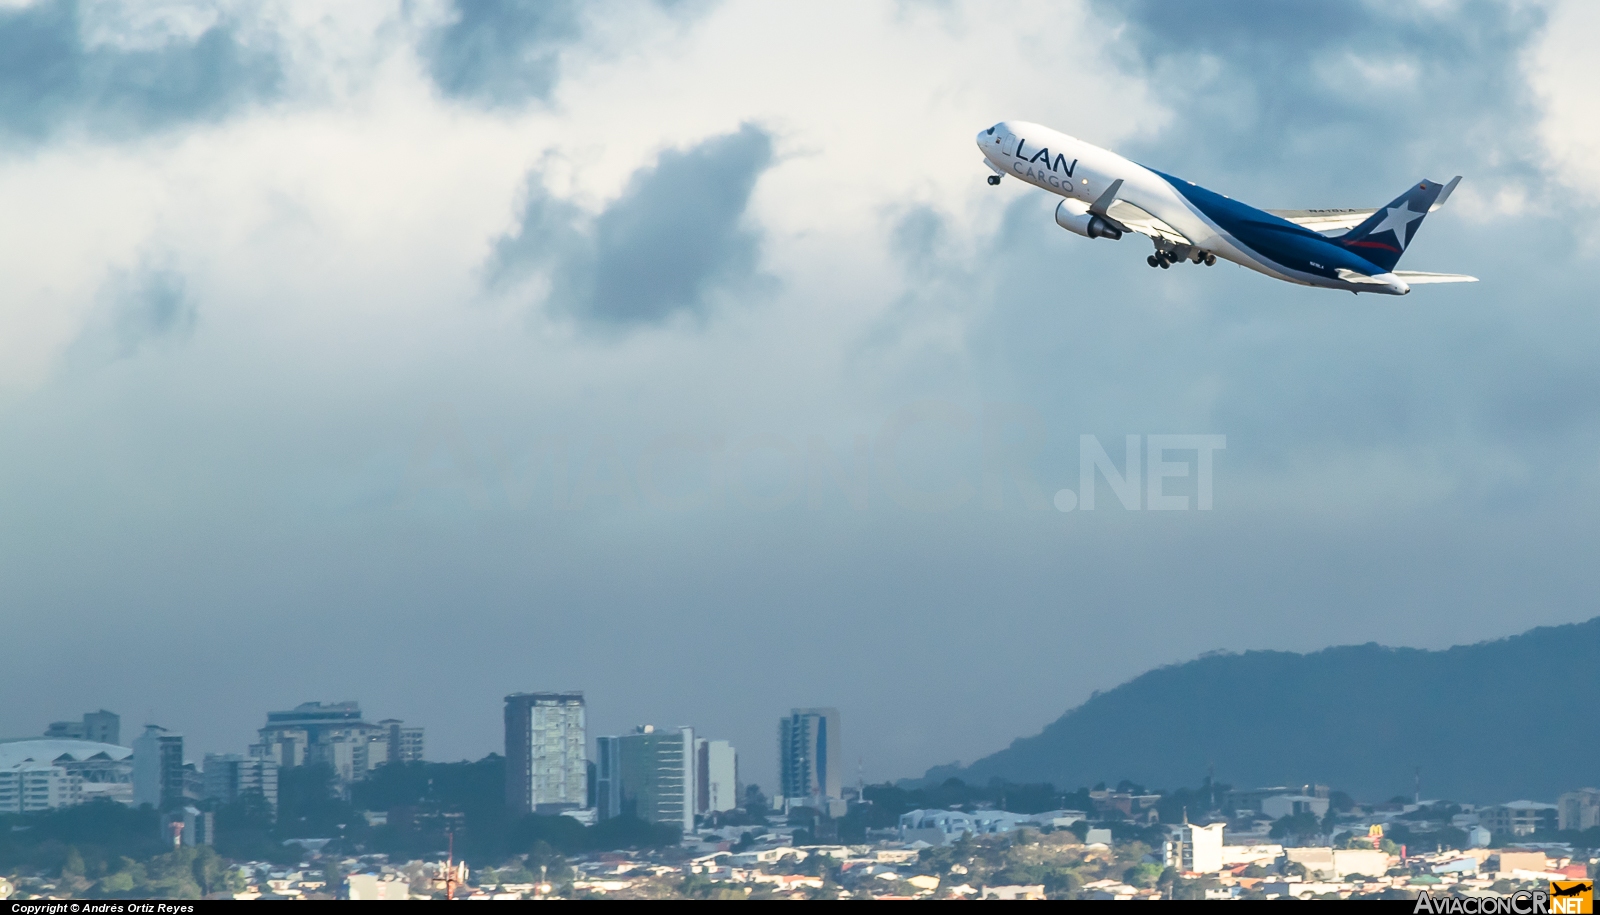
x=1165, y=259
x=994, y=179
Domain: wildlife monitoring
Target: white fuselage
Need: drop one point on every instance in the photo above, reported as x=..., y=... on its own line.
x=1081, y=172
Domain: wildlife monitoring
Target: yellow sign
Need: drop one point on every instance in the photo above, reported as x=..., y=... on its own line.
x=1572, y=897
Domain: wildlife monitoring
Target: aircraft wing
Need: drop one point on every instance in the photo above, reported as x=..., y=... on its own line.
x=1325, y=220
x=1416, y=277
x=1139, y=221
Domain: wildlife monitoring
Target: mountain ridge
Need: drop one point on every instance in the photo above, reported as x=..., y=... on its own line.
x=1486, y=722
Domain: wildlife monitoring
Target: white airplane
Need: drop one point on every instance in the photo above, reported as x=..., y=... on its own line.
x=1107, y=196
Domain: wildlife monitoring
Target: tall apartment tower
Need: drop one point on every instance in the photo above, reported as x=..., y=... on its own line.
x=158, y=776
x=230, y=777
x=405, y=744
x=809, y=769
x=547, y=765
x=650, y=774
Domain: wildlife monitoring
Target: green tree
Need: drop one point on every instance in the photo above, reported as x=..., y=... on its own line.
x=1304, y=823
x=1142, y=875
x=756, y=803
x=210, y=870
x=127, y=877
x=549, y=864
x=172, y=875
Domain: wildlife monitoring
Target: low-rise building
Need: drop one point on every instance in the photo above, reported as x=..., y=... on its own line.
x=1279, y=806
x=941, y=827
x=1250, y=799
x=1368, y=862
x=373, y=886
x=1519, y=818
x=1265, y=855
x=33, y=787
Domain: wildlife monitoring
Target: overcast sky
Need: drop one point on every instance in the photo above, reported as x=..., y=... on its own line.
x=679, y=353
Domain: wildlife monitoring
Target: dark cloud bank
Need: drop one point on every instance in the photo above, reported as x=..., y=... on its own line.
x=51, y=79
x=676, y=234
x=503, y=53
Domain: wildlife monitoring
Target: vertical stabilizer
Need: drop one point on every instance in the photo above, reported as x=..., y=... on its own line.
x=1386, y=233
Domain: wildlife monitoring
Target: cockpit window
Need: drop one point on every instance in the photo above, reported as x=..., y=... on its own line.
x=990, y=131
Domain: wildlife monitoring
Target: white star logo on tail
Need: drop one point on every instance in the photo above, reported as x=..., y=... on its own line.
x=1396, y=219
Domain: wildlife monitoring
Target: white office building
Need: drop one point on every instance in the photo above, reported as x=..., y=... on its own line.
x=650, y=774
x=717, y=772
x=1194, y=849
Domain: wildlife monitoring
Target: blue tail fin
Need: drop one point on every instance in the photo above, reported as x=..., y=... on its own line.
x=1386, y=233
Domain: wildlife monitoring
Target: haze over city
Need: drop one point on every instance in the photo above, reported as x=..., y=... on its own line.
x=388, y=354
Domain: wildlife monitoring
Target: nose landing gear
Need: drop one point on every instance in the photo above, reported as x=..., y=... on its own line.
x=994, y=179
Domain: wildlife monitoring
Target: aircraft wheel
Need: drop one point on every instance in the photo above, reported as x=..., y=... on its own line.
x=1211, y=260
x=1165, y=263
x=994, y=179
x=1153, y=261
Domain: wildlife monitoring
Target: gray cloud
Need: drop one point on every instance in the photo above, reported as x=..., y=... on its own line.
x=501, y=51
x=507, y=52
x=135, y=308
x=676, y=234
x=51, y=78
x=149, y=304
x=1367, y=91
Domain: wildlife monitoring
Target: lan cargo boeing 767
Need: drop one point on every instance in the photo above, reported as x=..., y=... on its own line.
x=1107, y=196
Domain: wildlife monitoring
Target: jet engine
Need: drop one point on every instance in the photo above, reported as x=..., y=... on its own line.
x=1083, y=222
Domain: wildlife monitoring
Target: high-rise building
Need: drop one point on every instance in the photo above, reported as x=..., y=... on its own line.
x=717, y=776
x=607, y=777
x=547, y=767
x=405, y=744
x=334, y=734
x=809, y=770
x=230, y=778
x=101, y=727
x=1578, y=810
x=158, y=776
x=649, y=774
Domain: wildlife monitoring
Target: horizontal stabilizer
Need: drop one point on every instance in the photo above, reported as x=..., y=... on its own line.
x=1351, y=276
x=1417, y=277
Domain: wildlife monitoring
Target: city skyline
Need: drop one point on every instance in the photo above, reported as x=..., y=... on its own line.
x=371, y=358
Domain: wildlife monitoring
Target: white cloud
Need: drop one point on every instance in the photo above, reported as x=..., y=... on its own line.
x=1563, y=69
